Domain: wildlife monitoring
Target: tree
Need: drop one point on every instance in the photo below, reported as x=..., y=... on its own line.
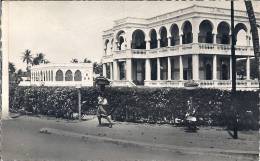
x=254, y=31
x=12, y=68
x=74, y=60
x=27, y=57
x=39, y=59
x=86, y=60
x=97, y=68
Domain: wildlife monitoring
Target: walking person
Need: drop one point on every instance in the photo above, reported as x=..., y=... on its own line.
x=101, y=111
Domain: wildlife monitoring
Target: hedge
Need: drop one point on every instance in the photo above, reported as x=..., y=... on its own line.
x=151, y=105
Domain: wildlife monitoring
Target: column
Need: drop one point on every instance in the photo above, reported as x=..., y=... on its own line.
x=147, y=45
x=214, y=39
x=169, y=41
x=230, y=67
x=31, y=76
x=214, y=67
x=181, y=67
x=158, y=69
x=248, y=68
x=158, y=43
x=195, y=30
x=195, y=67
x=129, y=69
x=5, y=63
x=195, y=36
x=104, y=70
x=54, y=75
x=115, y=67
x=111, y=70
x=181, y=39
x=169, y=69
x=147, y=70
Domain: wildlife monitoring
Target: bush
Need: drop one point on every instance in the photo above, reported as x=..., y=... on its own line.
x=151, y=105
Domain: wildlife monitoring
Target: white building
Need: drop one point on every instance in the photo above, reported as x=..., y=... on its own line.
x=168, y=50
x=70, y=74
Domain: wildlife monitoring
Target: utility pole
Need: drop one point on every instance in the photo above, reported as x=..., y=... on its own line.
x=233, y=57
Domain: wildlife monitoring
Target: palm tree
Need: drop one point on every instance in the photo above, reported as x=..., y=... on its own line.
x=27, y=57
x=74, y=60
x=254, y=31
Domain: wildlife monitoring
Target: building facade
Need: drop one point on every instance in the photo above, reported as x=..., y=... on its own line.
x=170, y=49
x=70, y=74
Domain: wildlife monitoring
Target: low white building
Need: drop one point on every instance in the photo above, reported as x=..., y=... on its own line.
x=66, y=74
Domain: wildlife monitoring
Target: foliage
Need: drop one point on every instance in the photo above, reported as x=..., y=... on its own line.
x=151, y=105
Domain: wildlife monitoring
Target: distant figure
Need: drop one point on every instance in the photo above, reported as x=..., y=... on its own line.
x=101, y=111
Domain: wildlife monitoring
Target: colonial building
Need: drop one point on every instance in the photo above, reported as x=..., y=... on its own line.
x=70, y=74
x=170, y=49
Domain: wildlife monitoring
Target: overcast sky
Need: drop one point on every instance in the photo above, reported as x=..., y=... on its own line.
x=66, y=30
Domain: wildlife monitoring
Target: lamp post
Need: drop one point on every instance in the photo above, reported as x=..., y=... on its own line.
x=78, y=87
x=233, y=57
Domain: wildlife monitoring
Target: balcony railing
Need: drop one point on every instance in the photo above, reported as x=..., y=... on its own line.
x=193, y=48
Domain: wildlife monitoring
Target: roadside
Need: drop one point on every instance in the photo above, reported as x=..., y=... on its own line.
x=167, y=138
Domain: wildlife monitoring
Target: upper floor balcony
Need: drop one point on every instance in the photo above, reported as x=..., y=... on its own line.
x=185, y=49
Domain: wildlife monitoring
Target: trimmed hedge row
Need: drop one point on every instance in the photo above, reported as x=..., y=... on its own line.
x=152, y=105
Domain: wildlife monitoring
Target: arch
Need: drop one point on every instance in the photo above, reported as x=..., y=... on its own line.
x=59, y=75
x=106, y=45
x=205, y=32
x=153, y=38
x=187, y=33
x=240, y=34
x=78, y=76
x=112, y=44
x=175, y=39
x=120, y=39
x=138, y=40
x=68, y=75
x=163, y=36
x=223, y=33
x=208, y=72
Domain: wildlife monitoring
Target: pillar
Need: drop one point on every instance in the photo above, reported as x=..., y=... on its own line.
x=147, y=45
x=104, y=70
x=248, y=68
x=129, y=69
x=181, y=39
x=214, y=67
x=195, y=30
x=230, y=67
x=5, y=63
x=169, y=41
x=158, y=43
x=54, y=75
x=147, y=70
x=181, y=67
x=214, y=39
x=169, y=69
x=158, y=69
x=111, y=70
x=195, y=67
x=115, y=69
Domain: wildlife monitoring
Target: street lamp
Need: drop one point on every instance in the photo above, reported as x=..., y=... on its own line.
x=78, y=87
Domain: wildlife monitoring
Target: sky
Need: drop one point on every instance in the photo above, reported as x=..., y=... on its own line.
x=63, y=30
